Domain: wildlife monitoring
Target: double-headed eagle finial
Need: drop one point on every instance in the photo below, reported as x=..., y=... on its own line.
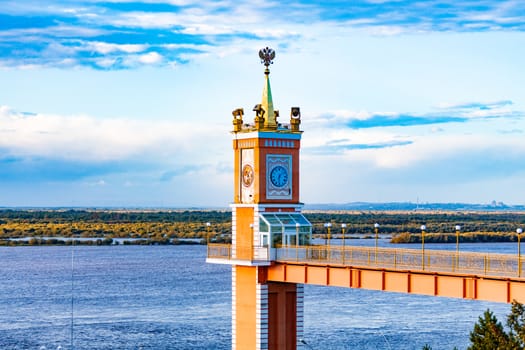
x=267, y=55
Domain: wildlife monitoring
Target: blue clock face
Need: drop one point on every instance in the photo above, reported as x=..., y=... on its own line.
x=279, y=176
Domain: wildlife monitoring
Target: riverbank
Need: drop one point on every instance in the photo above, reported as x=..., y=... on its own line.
x=175, y=227
x=54, y=241
x=98, y=242
x=470, y=237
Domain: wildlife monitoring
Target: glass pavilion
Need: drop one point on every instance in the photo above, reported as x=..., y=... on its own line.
x=281, y=228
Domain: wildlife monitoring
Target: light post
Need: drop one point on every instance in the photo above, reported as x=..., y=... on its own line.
x=208, y=225
x=376, y=230
x=328, y=225
x=458, y=229
x=423, y=228
x=519, y=231
x=343, y=229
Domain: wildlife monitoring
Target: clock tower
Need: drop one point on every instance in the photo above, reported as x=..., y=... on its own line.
x=267, y=151
x=266, y=216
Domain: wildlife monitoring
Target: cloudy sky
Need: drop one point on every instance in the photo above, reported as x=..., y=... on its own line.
x=128, y=103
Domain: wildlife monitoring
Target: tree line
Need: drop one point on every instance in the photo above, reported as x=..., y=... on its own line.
x=150, y=224
x=141, y=227
x=394, y=222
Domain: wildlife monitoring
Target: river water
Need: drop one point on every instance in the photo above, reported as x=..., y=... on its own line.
x=167, y=297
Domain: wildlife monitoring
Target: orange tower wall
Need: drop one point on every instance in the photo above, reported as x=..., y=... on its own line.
x=245, y=307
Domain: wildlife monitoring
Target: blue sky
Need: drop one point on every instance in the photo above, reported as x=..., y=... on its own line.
x=128, y=103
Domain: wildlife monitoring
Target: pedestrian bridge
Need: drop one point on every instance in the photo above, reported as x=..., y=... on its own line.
x=482, y=276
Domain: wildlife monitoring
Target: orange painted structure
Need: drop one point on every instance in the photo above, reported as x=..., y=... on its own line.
x=491, y=277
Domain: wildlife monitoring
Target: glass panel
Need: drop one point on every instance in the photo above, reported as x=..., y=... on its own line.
x=289, y=236
x=264, y=240
x=272, y=219
x=302, y=220
x=287, y=219
x=276, y=230
x=263, y=226
x=304, y=239
x=277, y=240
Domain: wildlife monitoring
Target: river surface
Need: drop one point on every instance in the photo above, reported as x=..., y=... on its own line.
x=167, y=297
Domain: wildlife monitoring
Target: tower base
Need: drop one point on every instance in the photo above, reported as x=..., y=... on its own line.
x=265, y=315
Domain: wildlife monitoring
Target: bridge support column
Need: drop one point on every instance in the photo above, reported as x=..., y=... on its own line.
x=265, y=315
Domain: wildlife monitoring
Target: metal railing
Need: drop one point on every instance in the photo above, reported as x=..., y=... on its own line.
x=219, y=251
x=229, y=252
x=487, y=264
x=482, y=264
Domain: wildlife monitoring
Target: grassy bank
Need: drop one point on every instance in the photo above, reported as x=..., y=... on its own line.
x=470, y=237
x=166, y=227
x=96, y=242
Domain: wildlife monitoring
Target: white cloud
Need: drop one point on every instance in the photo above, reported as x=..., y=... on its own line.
x=150, y=58
x=407, y=145
x=431, y=147
x=85, y=138
x=145, y=20
x=61, y=30
x=207, y=29
x=106, y=62
x=98, y=183
x=105, y=48
x=390, y=30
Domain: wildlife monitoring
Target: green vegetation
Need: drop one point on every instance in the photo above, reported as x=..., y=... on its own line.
x=56, y=241
x=169, y=227
x=489, y=333
x=405, y=227
x=394, y=222
x=131, y=227
x=469, y=237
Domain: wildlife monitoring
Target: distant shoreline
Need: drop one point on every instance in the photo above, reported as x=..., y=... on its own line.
x=93, y=242
x=59, y=227
x=492, y=207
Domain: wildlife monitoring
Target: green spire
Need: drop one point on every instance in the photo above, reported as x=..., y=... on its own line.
x=267, y=103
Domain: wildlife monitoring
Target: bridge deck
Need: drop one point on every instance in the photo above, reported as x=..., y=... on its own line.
x=484, y=276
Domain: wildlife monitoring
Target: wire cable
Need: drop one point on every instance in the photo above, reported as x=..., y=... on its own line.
x=72, y=289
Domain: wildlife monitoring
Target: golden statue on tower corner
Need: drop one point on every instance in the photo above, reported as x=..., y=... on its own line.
x=265, y=115
x=237, y=119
